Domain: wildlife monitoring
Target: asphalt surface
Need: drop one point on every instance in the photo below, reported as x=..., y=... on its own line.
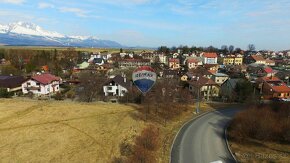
x=203, y=140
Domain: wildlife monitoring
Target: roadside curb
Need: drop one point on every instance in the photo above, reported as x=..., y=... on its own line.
x=227, y=142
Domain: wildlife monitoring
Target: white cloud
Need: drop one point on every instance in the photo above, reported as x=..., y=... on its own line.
x=44, y=5
x=125, y=2
x=77, y=11
x=16, y=2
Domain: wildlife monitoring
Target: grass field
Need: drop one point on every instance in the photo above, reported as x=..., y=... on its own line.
x=51, y=131
x=42, y=131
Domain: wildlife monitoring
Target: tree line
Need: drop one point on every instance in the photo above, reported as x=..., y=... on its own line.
x=186, y=49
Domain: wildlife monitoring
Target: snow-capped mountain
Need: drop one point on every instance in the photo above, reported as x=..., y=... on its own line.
x=21, y=33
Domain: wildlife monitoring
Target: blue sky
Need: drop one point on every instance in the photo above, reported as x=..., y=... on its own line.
x=265, y=23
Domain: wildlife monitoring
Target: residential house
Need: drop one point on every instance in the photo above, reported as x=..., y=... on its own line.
x=42, y=84
x=131, y=63
x=149, y=55
x=200, y=71
x=273, y=87
x=205, y=87
x=116, y=86
x=220, y=78
x=270, y=62
x=163, y=58
x=169, y=74
x=233, y=60
x=174, y=63
x=98, y=61
x=258, y=59
x=212, y=68
x=11, y=83
x=268, y=71
x=228, y=89
x=209, y=58
x=193, y=62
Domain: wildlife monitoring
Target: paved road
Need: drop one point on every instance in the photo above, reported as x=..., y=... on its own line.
x=203, y=140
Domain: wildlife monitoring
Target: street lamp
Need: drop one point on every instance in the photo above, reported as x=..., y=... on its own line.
x=198, y=92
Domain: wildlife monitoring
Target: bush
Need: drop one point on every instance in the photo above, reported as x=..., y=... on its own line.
x=70, y=94
x=148, y=138
x=263, y=123
x=118, y=160
x=5, y=94
x=145, y=146
x=58, y=96
x=126, y=149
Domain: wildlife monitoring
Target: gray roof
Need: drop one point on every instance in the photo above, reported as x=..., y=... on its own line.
x=11, y=81
x=221, y=75
x=119, y=80
x=232, y=82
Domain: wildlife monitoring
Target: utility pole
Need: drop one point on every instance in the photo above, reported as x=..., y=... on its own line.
x=198, y=92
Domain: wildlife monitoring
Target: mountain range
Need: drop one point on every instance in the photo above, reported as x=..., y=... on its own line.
x=29, y=34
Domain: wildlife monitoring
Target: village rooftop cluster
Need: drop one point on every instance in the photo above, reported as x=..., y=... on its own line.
x=211, y=74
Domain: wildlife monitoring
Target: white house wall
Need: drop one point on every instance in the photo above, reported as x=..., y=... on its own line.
x=114, y=90
x=44, y=89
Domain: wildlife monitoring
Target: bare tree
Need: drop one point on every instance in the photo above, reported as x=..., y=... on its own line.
x=231, y=48
x=90, y=87
x=251, y=47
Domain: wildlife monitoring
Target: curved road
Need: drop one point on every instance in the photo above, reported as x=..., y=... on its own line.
x=202, y=140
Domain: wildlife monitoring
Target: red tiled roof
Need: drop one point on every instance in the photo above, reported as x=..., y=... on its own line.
x=281, y=89
x=210, y=55
x=212, y=71
x=268, y=70
x=175, y=60
x=45, y=78
x=192, y=60
x=257, y=58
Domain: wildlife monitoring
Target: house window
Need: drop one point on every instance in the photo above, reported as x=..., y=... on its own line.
x=218, y=80
x=39, y=90
x=28, y=83
x=110, y=88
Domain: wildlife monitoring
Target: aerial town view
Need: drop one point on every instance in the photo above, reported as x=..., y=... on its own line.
x=144, y=81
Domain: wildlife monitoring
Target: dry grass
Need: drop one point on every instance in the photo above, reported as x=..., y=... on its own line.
x=254, y=151
x=42, y=131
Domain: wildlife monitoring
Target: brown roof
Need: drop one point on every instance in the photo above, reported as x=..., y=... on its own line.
x=192, y=60
x=202, y=81
x=269, y=61
x=208, y=66
x=276, y=84
x=257, y=58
